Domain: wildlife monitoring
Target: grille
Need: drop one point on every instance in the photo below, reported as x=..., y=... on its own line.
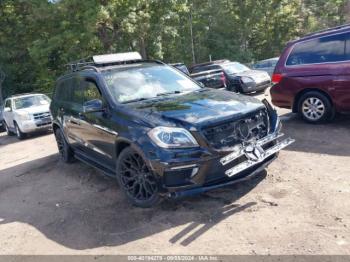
x=252, y=127
x=44, y=115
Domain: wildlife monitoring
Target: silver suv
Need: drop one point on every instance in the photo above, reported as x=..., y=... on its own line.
x=26, y=113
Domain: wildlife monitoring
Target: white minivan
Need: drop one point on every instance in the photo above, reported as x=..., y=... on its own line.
x=26, y=113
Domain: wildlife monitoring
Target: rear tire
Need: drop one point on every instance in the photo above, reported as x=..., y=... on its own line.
x=139, y=184
x=20, y=135
x=314, y=107
x=65, y=151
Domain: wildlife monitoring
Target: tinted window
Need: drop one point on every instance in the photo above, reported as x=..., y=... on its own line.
x=90, y=90
x=321, y=50
x=63, y=90
x=77, y=91
x=8, y=103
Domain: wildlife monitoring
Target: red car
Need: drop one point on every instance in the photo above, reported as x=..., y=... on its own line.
x=312, y=76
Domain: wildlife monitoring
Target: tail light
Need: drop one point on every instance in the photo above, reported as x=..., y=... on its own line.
x=223, y=79
x=276, y=78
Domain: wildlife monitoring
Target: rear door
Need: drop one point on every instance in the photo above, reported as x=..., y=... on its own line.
x=72, y=105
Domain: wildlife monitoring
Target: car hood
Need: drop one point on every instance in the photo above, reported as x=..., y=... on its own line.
x=257, y=75
x=35, y=109
x=198, y=108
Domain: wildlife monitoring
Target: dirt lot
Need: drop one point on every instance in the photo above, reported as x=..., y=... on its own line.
x=301, y=205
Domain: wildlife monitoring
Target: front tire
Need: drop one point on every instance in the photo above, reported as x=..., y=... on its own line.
x=8, y=132
x=20, y=135
x=65, y=151
x=314, y=107
x=139, y=184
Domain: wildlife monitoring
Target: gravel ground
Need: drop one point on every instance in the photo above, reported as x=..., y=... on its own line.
x=300, y=205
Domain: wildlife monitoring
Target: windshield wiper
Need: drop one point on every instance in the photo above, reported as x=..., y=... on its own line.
x=169, y=93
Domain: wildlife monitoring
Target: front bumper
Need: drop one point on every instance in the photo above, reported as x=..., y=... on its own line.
x=221, y=169
x=30, y=126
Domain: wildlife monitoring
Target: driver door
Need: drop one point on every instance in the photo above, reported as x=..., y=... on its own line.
x=99, y=140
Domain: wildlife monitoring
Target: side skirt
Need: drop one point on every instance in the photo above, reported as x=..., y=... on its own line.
x=83, y=157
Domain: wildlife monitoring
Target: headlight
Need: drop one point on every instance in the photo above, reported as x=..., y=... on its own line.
x=172, y=137
x=23, y=116
x=247, y=80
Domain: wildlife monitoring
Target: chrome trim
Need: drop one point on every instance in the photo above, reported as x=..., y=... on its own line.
x=106, y=129
x=240, y=148
x=183, y=167
x=249, y=163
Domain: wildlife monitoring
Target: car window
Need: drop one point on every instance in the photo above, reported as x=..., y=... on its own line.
x=63, y=90
x=234, y=68
x=90, y=90
x=31, y=101
x=77, y=90
x=8, y=103
x=320, y=50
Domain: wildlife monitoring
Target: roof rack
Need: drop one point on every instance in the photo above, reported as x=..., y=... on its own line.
x=328, y=29
x=93, y=62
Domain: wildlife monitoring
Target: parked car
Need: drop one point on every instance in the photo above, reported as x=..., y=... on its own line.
x=267, y=65
x=312, y=77
x=182, y=67
x=159, y=132
x=26, y=113
x=231, y=75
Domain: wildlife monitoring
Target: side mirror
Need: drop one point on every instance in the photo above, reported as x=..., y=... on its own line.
x=7, y=109
x=94, y=105
x=201, y=84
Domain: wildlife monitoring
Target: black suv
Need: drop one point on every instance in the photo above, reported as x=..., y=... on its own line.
x=157, y=131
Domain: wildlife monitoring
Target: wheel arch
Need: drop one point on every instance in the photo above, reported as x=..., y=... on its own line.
x=120, y=146
x=55, y=126
x=307, y=90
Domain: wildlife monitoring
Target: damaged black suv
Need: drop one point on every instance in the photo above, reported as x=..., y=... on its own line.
x=158, y=131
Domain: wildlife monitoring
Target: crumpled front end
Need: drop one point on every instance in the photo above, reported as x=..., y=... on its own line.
x=228, y=152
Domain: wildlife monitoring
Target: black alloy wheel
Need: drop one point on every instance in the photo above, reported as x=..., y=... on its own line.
x=64, y=149
x=138, y=183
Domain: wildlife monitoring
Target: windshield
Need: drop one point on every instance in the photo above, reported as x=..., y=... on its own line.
x=234, y=68
x=30, y=101
x=145, y=81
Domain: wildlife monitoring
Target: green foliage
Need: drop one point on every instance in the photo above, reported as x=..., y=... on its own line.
x=38, y=37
